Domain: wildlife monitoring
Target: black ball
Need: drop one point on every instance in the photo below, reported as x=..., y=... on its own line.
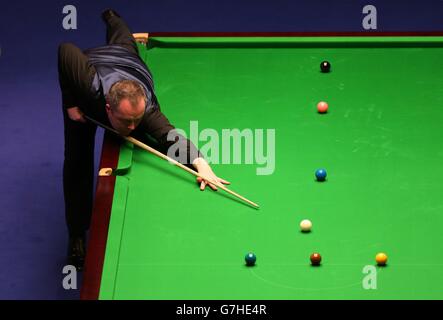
x=325, y=66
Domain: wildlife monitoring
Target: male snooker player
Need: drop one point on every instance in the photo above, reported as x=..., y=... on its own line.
x=113, y=86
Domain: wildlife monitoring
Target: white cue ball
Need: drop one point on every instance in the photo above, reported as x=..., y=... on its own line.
x=306, y=225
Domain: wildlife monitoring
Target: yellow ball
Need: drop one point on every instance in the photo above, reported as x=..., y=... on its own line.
x=381, y=259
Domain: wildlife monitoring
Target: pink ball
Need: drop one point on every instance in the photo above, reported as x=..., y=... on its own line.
x=322, y=107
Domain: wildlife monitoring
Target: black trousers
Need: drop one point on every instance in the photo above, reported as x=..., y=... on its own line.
x=78, y=167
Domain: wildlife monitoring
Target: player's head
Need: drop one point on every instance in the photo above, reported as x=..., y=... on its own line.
x=125, y=105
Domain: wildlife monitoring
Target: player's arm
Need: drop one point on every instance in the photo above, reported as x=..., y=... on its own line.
x=158, y=126
x=73, y=74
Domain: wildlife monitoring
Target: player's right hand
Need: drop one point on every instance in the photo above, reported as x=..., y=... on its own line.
x=75, y=114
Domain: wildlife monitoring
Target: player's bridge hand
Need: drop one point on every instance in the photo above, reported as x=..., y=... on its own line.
x=205, y=170
x=75, y=114
x=204, y=183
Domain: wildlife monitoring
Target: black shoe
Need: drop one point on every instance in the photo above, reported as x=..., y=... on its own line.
x=108, y=13
x=76, y=252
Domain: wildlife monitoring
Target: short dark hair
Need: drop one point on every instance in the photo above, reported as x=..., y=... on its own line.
x=125, y=89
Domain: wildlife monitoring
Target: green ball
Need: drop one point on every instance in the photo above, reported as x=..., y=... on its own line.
x=250, y=259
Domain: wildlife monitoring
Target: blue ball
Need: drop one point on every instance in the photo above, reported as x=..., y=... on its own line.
x=320, y=174
x=250, y=259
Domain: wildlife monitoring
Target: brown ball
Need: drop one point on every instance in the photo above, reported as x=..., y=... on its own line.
x=315, y=259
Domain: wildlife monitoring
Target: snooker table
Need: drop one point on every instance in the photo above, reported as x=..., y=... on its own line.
x=154, y=235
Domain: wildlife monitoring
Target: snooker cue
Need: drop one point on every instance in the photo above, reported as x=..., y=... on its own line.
x=178, y=164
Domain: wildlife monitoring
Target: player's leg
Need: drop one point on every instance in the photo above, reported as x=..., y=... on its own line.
x=117, y=31
x=78, y=174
